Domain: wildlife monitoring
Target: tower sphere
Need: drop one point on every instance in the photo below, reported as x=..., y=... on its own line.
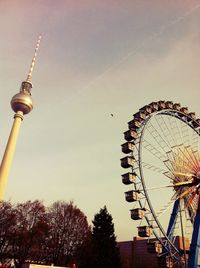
x=22, y=102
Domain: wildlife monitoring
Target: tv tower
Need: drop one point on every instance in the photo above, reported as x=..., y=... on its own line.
x=21, y=104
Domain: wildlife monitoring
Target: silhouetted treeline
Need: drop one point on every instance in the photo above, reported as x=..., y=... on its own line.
x=58, y=234
x=31, y=231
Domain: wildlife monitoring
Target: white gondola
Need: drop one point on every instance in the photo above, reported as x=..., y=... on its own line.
x=134, y=124
x=131, y=135
x=154, y=247
x=127, y=161
x=137, y=213
x=165, y=262
x=145, y=231
x=192, y=115
x=128, y=178
x=132, y=196
x=161, y=105
x=127, y=147
x=198, y=121
x=169, y=104
x=177, y=106
x=141, y=115
x=147, y=109
x=184, y=110
x=154, y=106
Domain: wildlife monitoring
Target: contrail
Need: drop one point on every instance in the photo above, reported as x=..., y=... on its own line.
x=150, y=38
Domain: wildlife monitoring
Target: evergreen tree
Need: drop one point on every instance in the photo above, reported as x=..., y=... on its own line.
x=106, y=253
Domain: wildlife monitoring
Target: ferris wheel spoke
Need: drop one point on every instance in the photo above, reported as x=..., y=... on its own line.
x=153, y=168
x=161, y=142
x=177, y=161
x=153, y=150
x=177, y=131
x=186, y=134
x=159, y=187
x=198, y=155
x=184, y=167
x=166, y=132
x=169, y=122
x=194, y=140
x=173, y=170
x=196, y=158
x=183, y=158
x=189, y=202
x=164, y=209
x=170, y=167
x=163, y=158
x=177, y=184
x=190, y=190
x=184, y=175
x=191, y=161
x=194, y=203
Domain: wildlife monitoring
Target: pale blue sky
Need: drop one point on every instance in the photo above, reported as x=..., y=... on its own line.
x=96, y=58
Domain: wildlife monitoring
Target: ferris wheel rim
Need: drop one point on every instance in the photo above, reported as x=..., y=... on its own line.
x=168, y=112
x=187, y=119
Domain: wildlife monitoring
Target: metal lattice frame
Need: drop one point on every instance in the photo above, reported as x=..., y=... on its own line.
x=168, y=150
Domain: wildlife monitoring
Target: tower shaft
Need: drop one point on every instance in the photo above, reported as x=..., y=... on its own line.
x=9, y=152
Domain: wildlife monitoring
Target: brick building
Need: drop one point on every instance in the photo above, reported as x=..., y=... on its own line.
x=134, y=254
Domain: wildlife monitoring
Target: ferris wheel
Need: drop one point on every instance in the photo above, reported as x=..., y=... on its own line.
x=163, y=162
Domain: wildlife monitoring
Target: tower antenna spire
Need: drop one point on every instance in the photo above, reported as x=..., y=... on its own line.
x=29, y=76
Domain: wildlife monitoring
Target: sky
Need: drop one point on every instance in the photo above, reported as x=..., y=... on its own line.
x=95, y=58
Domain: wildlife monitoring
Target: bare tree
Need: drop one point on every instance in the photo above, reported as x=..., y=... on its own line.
x=29, y=232
x=68, y=229
x=7, y=224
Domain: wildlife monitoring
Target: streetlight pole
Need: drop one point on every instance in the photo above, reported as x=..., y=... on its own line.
x=21, y=104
